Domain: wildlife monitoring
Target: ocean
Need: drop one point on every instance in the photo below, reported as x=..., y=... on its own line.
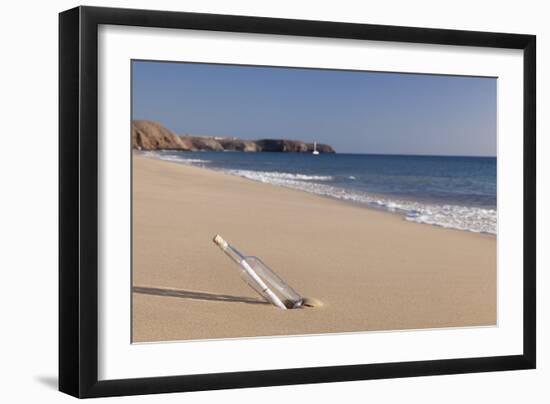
x=452, y=192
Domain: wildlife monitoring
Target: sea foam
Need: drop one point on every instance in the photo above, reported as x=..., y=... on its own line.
x=479, y=220
x=175, y=158
x=277, y=178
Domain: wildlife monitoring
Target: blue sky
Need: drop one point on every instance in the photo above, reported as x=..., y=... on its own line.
x=355, y=112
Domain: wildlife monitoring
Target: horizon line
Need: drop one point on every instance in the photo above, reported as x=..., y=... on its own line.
x=421, y=155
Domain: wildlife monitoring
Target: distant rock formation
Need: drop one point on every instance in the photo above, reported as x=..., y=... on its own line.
x=203, y=143
x=282, y=145
x=296, y=146
x=234, y=144
x=150, y=135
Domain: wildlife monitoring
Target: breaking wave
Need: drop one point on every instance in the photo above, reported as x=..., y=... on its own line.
x=175, y=158
x=479, y=220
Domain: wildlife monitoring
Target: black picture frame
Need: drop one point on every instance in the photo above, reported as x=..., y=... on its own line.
x=78, y=201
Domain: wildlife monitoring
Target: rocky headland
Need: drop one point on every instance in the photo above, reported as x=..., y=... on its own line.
x=150, y=135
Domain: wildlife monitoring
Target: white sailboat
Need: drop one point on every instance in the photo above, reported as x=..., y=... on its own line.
x=315, y=151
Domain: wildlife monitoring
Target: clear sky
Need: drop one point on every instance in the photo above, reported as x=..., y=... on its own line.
x=355, y=112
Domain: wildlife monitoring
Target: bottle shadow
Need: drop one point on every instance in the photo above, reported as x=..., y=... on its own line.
x=196, y=295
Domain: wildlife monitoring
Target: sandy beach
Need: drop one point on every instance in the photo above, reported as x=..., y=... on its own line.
x=369, y=269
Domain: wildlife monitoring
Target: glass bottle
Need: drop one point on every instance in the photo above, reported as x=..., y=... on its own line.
x=261, y=278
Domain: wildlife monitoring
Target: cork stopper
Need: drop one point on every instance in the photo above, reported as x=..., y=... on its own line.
x=219, y=241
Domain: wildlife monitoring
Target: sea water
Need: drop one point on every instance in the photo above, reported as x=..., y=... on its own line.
x=447, y=191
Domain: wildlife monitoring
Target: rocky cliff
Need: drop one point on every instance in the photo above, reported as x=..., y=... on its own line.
x=149, y=135
x=296, y=146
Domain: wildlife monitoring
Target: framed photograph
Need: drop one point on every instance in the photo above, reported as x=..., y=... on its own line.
x=251, y=201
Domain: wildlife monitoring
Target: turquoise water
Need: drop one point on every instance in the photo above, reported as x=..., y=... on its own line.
x=453, y=192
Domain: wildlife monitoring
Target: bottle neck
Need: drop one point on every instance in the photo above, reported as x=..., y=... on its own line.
x=233, y=254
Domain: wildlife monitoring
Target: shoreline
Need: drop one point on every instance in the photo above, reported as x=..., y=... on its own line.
x=371, y=269
x=400, y=214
